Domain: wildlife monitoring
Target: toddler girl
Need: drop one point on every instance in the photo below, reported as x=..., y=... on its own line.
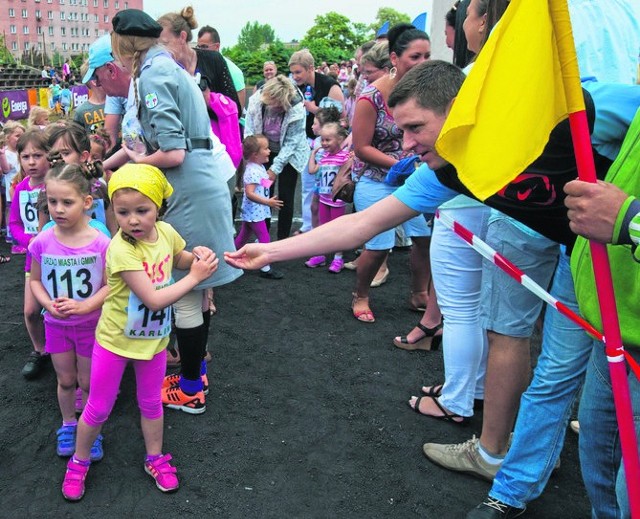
x=256, y=203
x=67, y=279
x=325, y=162
x=32, y=150
x=12, y=132
x=38, y=118
x=136, y=319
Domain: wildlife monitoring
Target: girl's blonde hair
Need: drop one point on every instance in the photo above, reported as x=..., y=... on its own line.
x=124, y=47
x=37, y=112
x=10, y=127
x=280, y=90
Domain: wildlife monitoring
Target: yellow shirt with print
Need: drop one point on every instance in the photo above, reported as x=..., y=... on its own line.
x=126, y=326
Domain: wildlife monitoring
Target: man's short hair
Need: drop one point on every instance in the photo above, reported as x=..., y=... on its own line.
x=215, y=36
x=432, y=84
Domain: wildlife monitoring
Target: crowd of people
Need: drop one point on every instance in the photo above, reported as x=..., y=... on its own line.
x=126, y=215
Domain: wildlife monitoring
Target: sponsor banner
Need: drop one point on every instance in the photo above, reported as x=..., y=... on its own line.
x=45, y=97
x=14, y=104
x=79, y=94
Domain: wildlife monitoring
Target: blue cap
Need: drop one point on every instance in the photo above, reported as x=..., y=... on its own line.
x=99, y=55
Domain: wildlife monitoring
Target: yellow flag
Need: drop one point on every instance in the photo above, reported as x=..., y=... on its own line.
x=512, y=99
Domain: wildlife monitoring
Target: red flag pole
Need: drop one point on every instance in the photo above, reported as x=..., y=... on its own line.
x=604, y=285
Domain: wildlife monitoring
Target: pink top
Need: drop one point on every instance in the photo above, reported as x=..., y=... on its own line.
x=329, y=165
x=23, y=218
x=74, y=272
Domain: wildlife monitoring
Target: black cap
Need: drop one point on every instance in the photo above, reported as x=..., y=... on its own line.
x=133, y=22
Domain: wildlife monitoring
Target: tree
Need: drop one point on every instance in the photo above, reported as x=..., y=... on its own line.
x=5, y=54
x=254, y=35
x=388, y=14
x=336, y=31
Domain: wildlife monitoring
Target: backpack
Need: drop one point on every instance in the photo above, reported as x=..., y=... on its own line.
x=226, y=125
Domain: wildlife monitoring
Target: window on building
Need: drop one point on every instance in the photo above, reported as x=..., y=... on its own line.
x=62, y=17
x=50, y=31
x=64, y=46
x=25, y=29
x=126, y=5
x=14, y=45
x=117, y=4
x=105, y=4
x=96, y=18
x=12, y=13
x=63, y=31
x=106, y=18
x=12, y=29
x=38, y=13
x=50, y=15
x=95, y=3
x=39, y=30
x=27, y=45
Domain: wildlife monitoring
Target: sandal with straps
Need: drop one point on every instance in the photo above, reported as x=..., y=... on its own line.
x=364, y=316
x=430, y=341
x=446, y=415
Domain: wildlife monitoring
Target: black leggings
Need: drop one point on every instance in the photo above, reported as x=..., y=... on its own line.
x=286, y=182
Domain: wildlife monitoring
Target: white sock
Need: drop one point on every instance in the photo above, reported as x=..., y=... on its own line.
x=266, y=268
x=489, y=458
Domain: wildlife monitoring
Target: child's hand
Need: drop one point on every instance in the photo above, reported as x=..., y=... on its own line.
x=275, y=203
x=204, y=263
x=250, y=257
x=52, y=308
x=67, y=307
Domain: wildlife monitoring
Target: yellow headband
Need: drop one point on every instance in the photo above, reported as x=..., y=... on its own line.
x=148, y=180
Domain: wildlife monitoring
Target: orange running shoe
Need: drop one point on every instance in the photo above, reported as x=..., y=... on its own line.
x=174, y=398
x=174, y=380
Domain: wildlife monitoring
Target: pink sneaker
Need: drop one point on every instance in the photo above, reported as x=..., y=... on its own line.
x=73, y=484
x=336, y=265
x=316, y=261
x=16, y=249
x=163, y=472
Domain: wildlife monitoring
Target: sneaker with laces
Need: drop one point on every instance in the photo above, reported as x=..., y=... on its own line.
x=461, y=457
x=316, y=261
x=163, y=473
x=66, y=437
x=336, y=265
x=73, y=484
x=174, y=380
x=174, y=398
x=492, y=508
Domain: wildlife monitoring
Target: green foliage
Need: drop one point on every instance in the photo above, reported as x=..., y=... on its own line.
x=388, y=14
x=5, y=54
x=254, y=35
x=251, y=62
x=336, y=32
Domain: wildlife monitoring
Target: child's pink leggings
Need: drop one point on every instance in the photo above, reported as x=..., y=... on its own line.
x=248, y=228
x=106, y=373
x=327, y=213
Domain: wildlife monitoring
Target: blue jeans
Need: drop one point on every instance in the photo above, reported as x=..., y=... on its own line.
x=546, y=404
x=600, y=452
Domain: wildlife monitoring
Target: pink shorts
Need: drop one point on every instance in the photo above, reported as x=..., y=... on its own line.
x=79, y=337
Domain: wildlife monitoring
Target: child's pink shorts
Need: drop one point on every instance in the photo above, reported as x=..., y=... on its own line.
x=60, y=338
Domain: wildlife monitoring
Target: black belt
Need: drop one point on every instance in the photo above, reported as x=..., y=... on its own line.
x=199, y=144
